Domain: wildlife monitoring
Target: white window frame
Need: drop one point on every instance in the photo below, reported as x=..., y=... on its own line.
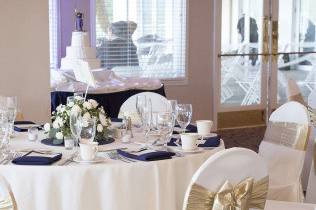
x=58, y=37
x=168, y=81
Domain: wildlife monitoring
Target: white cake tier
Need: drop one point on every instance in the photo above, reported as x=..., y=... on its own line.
x=81, y=52
x=70, y=63
x=80, y=39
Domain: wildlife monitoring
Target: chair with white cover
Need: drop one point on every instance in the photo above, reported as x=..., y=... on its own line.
x=7, y=200
x=159, y=104
x=283, y=148
x=310, y=159
x=235, y=178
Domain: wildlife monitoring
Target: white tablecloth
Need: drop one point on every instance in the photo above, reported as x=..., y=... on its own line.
x=113, y=185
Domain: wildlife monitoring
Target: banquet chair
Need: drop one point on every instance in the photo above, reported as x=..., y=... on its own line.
x=159, y=104
x=283, y=148
x=7, y=200
x=229, y=177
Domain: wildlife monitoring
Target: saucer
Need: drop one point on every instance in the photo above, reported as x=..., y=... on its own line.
x=210, y=135
x=95, y=160
x=196, y=150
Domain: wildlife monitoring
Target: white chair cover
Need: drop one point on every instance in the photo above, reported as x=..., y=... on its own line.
x=233, y=165
x=285, y=164
x=281, y=205
x=309, y=165
x=7, y=200
x=159, y=104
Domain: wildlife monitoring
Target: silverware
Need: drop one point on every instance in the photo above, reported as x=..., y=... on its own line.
x=116, y=156
x=67, y=160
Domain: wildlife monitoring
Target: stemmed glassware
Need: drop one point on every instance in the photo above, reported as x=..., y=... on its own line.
x=141, y=102
x=5, y=129
x=75, y=126
x=184, y=115
x=88, y=130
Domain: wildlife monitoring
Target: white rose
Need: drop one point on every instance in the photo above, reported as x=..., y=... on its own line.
x=71, y=104
x=87, y=105
x=62, y=109
x=78, y=98
x=59, y=135
x=86, y=116
x=59, y=121
x=76, y=109
x=94, y=103
x=55, y=124
x=47, y=127
x=99, y=128
x=103, y=119
x=58, y=108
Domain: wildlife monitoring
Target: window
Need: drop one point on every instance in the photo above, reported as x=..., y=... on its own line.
x=53, y=33
x=142, y=37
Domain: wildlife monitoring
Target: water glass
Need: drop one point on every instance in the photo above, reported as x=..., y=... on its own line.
x=165, y=124
x=184, y=115
x=75, y=123
x=88, y=130
x=173, y=105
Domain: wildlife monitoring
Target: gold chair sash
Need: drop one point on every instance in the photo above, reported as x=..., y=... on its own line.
x=247, y=194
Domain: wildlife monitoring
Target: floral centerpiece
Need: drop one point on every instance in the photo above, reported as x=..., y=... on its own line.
x=60, y=127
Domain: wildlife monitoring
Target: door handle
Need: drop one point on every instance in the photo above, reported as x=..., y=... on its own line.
x=265, y=41
x=275, y=38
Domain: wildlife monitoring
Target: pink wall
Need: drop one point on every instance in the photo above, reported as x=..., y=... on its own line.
x=198, y=90
x=67, y=24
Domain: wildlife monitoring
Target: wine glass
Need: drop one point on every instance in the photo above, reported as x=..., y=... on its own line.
x=75, y=122
x=184, y=115
x=11, y=106
x=173, y=104
x=165, y=125
x=140, y=104
x=88, y=130
x=5, y=128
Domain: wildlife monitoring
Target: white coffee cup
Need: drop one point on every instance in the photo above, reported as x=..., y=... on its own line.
x=204, y=127
x=88, y=151
x=189, y=141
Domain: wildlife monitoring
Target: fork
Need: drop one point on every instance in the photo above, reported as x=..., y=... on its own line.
x=116, y=156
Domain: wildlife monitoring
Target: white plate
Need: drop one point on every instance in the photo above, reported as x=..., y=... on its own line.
x=96, y=160
x=209, y=135
x=197, y=150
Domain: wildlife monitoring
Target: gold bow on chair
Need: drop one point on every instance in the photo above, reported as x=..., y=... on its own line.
x=247, y=194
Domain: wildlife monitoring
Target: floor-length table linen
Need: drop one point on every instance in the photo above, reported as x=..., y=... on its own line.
x=113, y=185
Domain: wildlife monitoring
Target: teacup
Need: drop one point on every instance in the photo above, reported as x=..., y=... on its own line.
x=204, y=127
x=189, y=141
x=88, y=151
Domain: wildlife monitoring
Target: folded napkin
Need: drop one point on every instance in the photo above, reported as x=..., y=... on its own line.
x=206, y=142
x=37, y=158
x=146, y=155
x=23, y=126
x=113, y=119
x=189, y=129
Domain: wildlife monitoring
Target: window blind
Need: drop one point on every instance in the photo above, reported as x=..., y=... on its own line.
x=143, y=37
x=53, y=32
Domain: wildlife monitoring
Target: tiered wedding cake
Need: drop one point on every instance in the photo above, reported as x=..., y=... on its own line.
x=80, y=49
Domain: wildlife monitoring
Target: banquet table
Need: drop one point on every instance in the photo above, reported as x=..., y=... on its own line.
x=110, y=185
x=110, y=101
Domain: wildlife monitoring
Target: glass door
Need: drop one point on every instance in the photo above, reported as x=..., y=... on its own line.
x=243, y=61
x=263, y=44
x=296, y=46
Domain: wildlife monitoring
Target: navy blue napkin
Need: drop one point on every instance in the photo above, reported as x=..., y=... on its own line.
x=189, y=129
x=116, y=119
x=150, y=156
x=32, y=158
x=209, y=142
x=18, y=129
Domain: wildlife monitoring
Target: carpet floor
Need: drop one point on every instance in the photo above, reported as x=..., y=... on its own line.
x=243, y=137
